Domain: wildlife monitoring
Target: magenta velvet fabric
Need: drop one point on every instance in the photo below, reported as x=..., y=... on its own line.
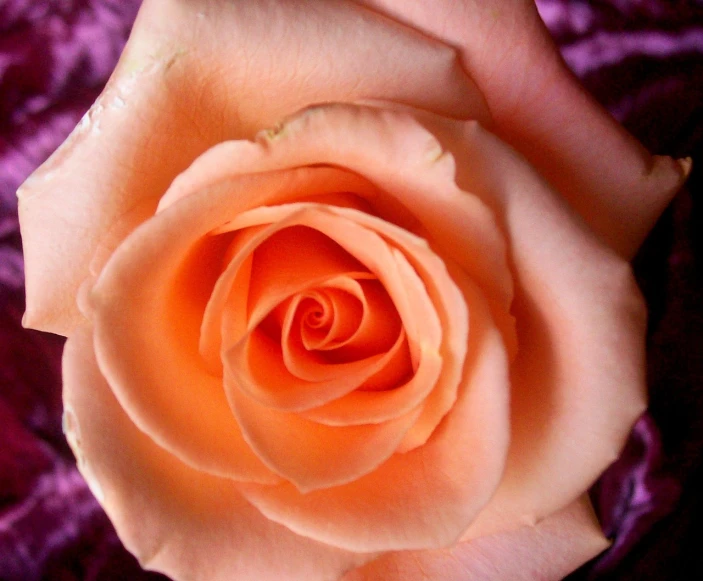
x=643, y=59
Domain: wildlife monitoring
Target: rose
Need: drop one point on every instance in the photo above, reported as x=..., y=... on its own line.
x=269, y=251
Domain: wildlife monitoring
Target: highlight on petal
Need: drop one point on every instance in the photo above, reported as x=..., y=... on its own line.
x=547, y=551
x=191, y=76
x=176, y=520
x=541, y=110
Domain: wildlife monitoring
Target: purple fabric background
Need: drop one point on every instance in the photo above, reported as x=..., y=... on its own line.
x=643, y=59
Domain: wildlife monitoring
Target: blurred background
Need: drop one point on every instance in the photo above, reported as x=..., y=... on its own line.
x=642, y=59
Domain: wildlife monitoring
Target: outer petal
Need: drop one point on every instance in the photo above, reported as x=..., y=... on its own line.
x=192, y=75
x=548, y=551
x=578, y=379
x=542, y=111
x=177, y=520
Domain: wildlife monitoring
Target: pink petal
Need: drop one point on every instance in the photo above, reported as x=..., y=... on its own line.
x=578, y=378
x=541, y=110
x=547, y=551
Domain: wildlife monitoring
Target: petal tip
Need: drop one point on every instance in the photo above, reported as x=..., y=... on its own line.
x=685, y=167
x=29, y=320
x=37, y=319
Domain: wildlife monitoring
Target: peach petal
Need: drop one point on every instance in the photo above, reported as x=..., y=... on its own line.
x=548, y=551
x=413, y=180
x=101, y=183
x=255, y=348
x=541, y=109
x=380, y=399
x=201, y=37
x=250, y=363
x=446, y=482
x=342, y=225
x=256, y=367
x=292, y=256
x=271, y=300
x=378, y=323
x=312, y=366
x=326, y=318
x=451, y=310
x=312, y=456
x=321, y=330
x=190, y=218
x=355, y=335
x=231, y=287
x=126, y=313
x=411, y=168
x=182, y=522
x=283, y=269
x=581, y=324
x=443, y=397
x=231, y=292
x=178, y=90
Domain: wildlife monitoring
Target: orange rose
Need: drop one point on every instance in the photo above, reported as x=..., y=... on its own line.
x=372, y=341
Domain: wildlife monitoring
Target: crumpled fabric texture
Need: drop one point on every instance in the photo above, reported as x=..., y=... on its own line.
x=643, y=59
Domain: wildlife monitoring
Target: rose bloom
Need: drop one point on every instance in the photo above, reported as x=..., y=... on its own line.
x=346, y=291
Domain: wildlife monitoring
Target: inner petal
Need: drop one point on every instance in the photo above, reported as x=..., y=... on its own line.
x=272, y=365
x=289, y=259
x=328, y=319
x=256, y=366
x=346, y=229
x=378, y=328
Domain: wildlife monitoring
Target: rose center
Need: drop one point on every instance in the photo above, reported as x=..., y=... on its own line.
x=328, y=318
